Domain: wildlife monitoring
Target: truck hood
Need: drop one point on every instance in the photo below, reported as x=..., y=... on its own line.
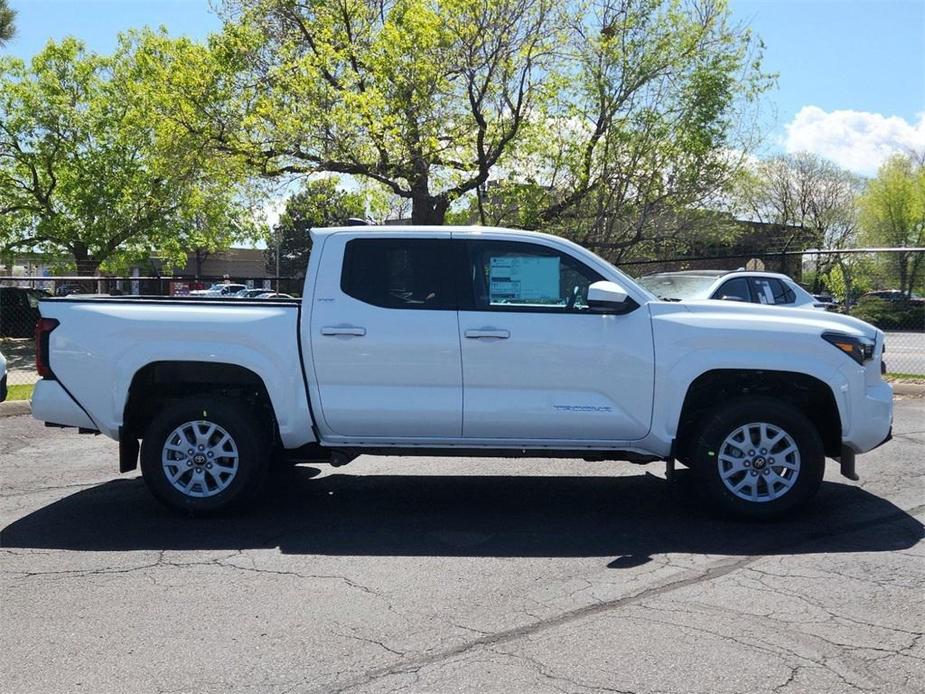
x=784, y=319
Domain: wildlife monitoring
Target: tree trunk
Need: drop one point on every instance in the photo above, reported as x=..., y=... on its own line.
x=87, y=266
x=903, y=273
x=200, y=258
x=429, y=209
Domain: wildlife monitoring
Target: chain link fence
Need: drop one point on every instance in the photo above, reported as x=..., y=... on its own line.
x=881, y=286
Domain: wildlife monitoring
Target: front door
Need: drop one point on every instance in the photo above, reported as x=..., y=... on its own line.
x=537, y=362
x=385, y=340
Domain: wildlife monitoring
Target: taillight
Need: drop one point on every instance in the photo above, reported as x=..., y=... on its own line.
x=43, y=328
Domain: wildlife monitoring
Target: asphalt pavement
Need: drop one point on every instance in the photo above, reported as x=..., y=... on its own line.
x=441, y=575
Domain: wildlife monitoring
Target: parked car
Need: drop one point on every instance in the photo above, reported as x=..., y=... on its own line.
x=895, y=296
x=19, y=310
x=220, y=289
x=768, y=288
x=274, y=295
x=3, y=387
x=463, y=341
x=826, y=301
x=251, y=293
x=68, y=289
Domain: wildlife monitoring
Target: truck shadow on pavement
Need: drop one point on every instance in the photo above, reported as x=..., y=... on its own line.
x=625, y=520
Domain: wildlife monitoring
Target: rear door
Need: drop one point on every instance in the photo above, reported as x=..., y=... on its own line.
x=384, y=338
x=537, y=362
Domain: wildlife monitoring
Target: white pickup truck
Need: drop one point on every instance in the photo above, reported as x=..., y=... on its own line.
x=461, y=341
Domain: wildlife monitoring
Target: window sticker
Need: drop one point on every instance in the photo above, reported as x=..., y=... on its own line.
x=524, y=279
x=766, y=294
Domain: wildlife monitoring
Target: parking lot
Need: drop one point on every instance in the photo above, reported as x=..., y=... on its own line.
x=457, y=575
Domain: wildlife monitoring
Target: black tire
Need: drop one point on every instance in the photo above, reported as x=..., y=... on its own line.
x=723, y=422
x=247, y=437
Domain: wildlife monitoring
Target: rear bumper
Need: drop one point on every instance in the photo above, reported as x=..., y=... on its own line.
x=52, y=404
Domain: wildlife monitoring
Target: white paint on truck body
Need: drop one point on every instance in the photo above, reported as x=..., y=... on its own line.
x=379, y=376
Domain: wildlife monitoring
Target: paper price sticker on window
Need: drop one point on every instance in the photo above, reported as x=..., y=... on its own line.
x=765, y=293
x=524, y=279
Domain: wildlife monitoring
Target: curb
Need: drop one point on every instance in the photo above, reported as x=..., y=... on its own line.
x=12, y=408
x=909, y=389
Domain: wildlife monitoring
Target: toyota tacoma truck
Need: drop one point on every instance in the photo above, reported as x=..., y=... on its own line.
x=463, y=341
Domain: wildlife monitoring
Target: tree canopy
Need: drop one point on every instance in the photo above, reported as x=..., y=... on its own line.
x=812, y=200
x=893, y=214
x=85, y=170
x=607, y=104
x=7, y=27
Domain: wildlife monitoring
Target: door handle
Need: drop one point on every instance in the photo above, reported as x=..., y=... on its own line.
x=498, y=334
x=343, y=330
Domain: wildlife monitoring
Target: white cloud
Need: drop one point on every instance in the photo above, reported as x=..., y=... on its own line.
x=857, y=140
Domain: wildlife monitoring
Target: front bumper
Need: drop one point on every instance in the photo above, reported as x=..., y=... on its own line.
x=870, y=414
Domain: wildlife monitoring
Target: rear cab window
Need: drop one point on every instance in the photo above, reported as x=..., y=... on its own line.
x=399, y=273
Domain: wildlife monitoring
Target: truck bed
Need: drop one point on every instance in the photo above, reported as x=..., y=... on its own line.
x=102, y=342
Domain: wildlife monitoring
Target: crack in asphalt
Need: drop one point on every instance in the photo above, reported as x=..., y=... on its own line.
x=492, y=640
x=40, y=490
x=779, y=651
x=553, y=679
x=220, y=562
x=712, y=572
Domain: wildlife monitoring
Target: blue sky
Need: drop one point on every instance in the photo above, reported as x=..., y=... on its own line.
x=851, y=72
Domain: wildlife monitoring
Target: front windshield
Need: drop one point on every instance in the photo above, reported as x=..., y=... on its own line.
x=677, y=287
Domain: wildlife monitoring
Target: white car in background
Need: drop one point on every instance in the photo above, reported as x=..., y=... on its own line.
x=220, y=289
x=252, y=293
x=769, y=288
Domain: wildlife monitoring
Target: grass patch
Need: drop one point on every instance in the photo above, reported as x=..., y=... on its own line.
x=899, y=376
x=19, y=392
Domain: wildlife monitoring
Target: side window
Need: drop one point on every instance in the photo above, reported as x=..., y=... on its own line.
x=734, y=290
x=399, y=273
x=772, y=291
x=509, y=275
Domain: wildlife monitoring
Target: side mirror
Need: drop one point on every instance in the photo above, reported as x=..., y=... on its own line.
x=728, y=297
x=608, y=297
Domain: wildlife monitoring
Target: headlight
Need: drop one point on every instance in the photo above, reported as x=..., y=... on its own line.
x=860, y=349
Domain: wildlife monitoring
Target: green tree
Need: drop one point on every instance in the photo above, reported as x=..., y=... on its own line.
x=422, y=97
x=85, y=170
x=7, y=28
x=659, y=95
x=633, y=100
x=320, y=203
x=893, y=214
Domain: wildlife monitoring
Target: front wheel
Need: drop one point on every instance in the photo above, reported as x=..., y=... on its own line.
x=759, y=457
x=203, y=454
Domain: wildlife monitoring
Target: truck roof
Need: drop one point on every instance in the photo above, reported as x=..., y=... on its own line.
x=418, y=228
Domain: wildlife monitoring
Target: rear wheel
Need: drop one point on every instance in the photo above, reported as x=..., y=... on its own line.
x=758, y=457
x=202, y=455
